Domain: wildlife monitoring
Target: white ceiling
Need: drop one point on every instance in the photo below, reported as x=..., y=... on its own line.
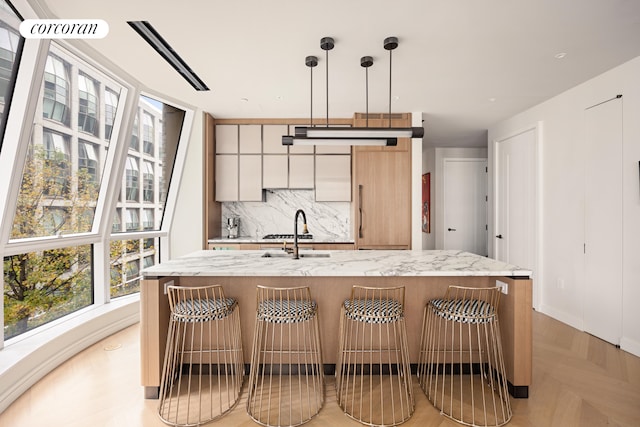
x=465, y=64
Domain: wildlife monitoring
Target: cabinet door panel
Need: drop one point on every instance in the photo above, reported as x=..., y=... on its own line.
x=250, y=188
x=250, y=139
x=382, y=192
x=299, y=149
x=272, y=139
x=226, y=139
x=301, y=171
x=276, y=171
x=333, y=178
x=226, y=177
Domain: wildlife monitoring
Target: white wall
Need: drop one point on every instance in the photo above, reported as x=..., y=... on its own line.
x=187, y=228
x=562, y=191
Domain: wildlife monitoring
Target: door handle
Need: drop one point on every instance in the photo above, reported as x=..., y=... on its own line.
x=499, y=236
x=360, y=234
x=451, y=229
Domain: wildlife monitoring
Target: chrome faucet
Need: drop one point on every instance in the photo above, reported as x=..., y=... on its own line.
x=305, y=230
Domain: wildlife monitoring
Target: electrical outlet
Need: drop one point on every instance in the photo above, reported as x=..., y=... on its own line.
x=504, y=287
x=166, y=285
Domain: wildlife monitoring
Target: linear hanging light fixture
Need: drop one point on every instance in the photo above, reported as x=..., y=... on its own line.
x=354, y=135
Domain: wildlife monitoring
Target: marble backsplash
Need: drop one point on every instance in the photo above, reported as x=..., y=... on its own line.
x=326, y=220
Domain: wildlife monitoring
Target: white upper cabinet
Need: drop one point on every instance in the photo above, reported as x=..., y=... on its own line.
x=250, y=184
x=333, y=178
x=272, y=139
x=250, y=139
x=301, y=171
x=226, y=178
x=226, y=139
x=275, y=172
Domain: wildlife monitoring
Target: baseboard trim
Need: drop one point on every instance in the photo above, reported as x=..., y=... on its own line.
x=630, y=346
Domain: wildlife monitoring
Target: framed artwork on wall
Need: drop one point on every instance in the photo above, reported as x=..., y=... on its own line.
x=426, y=203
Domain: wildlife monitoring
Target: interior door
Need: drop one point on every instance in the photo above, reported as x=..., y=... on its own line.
x=515, y=198
x=465, y=205
x=603, y=221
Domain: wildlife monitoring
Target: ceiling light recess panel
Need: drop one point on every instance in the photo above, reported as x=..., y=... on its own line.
x=159, y=44
x=354, y=132
x=294, y=140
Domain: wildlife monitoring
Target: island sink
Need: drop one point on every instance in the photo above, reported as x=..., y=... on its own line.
x=302, y=255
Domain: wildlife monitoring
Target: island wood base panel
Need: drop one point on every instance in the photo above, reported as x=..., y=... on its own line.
x=330, y=292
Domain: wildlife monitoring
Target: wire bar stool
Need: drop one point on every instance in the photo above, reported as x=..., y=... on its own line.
x=461, y=367
x=203, y=366
x=373, y=376
x=286, y=382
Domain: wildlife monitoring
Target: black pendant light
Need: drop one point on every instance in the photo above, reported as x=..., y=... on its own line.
x=350, y=135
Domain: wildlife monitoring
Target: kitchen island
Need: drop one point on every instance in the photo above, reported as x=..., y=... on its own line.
x=330, y=276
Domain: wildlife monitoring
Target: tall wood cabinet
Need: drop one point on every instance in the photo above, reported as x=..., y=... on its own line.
x=381, y=189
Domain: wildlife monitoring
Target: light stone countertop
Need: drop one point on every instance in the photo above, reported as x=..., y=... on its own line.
x=339, y=263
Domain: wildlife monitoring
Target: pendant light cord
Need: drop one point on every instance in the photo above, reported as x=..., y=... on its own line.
x=311, y=91
x=327, y=74
x=390, y=59
x=367, y=97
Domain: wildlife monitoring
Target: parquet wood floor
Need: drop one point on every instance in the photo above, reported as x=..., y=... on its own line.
x=578, y=380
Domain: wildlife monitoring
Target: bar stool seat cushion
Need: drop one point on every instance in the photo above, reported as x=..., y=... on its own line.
x=373, y=311
x=203, y=310
x=286, y=311
x=464, y=310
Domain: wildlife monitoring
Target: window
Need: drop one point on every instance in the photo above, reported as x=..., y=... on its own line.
x=10, y=49
x=55, y=101
x=88, y=161
x=88, y=105
x=43, y=286
x=147, y=182
x=55, y=167
x=148, y=261
x=148, y=134
x=134, y=144
x=133, y=179
x=148, y=224
x=133, y=220
x=117, y=222
x=110, y=107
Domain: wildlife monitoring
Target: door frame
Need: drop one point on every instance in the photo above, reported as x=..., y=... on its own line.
x=446, y=160
x=538, y=202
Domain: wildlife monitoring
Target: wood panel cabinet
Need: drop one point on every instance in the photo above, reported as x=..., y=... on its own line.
x=250, y=178
x=226, y=177
x=381, y=189
x=275, y=172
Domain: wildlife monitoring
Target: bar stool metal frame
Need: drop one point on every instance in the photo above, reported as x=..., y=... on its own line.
x=203, y=367
x=461, y=367
x=373, y=375
x=286, y=381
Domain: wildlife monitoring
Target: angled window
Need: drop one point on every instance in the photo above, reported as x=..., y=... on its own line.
x=110, y=107
x=151, y=171
x=148, y=133
x=64, y=166
x=88, y=105
x=10, y=51
x=55, y=101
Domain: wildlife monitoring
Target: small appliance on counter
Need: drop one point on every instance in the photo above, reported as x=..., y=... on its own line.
x=233, y=225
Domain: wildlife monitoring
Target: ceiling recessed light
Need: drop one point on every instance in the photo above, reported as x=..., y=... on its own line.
x=560, y=55
x=279, y=98
x=492, y=100
x=244, y=99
